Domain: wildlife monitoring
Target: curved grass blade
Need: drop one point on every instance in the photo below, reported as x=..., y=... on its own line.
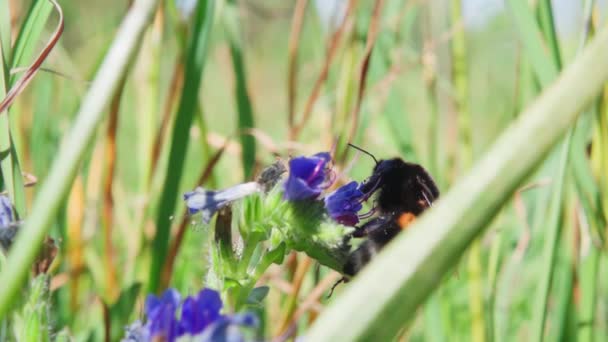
x=412, y=265
x=63, y=171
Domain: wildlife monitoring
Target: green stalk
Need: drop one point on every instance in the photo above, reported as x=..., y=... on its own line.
x=195, y=62
x=544, y=65
x=494, y=262
x=553, y=233
x=243, y=102
x=395, y=114
x=460, y=79
x=31, y=30
x=33, y=324
x=590, y=197
x=547, y=24
x=63, y=171
x=412, y=265
x=5, y=43
x=23, y=51
x=588, y=272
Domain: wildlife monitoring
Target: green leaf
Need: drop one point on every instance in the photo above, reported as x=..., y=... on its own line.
x=257, y=295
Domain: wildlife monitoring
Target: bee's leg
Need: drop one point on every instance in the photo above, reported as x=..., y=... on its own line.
x=369, y=227
x=341, y=280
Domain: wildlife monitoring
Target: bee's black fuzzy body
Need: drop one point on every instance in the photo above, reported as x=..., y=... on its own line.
x=403, y=191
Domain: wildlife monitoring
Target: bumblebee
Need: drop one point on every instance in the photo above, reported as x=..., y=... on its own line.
x=402, y=192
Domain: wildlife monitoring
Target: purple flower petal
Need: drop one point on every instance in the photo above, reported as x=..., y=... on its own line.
x=200, y=312
x=343, y=204
x=161, y=315
x=6, y=211
x=227, y=329
x=307, y=177
x=200, y=317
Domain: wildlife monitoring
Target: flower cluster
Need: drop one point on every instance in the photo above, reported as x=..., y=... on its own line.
x=199, y=317
x=309, y=176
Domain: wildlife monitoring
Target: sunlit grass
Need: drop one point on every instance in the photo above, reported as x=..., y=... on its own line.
x=434, y=94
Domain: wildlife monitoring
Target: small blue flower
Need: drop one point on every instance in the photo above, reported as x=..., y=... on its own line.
x=209, y=202
x=136, y=333
x=343, y=204
x=6, y=211
x=199, y=317
x=227, y=328
x=199, y=312
x=161, y=315
x=308, y=177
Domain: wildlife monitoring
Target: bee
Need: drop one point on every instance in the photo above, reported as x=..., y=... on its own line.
x=403, y=191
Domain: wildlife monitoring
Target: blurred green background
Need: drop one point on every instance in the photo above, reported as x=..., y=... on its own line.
x=442, y=84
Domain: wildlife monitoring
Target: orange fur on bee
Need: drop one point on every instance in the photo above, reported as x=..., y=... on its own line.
x=405, y=219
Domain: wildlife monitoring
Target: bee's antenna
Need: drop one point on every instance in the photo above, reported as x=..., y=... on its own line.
x=364, y=151
x=341, y=280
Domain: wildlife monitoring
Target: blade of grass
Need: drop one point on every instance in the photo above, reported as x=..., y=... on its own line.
x=412, y=265
x=334, y=42
x=292, y=60
x=372, y=35
x=17, y=86
x=9, y=163
x=543, y=64
x=112, y=290
x=149, y=70
x=588, y=275
x=205, y=175
x=594, y=221
x=63, y=171
x=460, y=79
x=30, y=32
x=551, y=238
x=194, y=66
x=243, y=102
x=5, y=44
x=547, y=25
x=554, y=226
x=6, y=158
x=395, y=113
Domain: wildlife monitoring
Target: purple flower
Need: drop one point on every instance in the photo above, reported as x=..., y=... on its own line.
x=6, y=211
x=161, y=315
x=199, y=316
x=8, y=225
x=199, y=312
x=343, y=204
x=308, y=177
x=227, y=329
